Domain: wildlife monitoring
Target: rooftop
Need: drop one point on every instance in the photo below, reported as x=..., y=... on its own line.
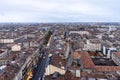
x=58, y=61
x=117, y=54
x=68, y=76
x=19, y=58
x=95, y=41
x=87, y=63
x=107, y=68
x=103, y=62
x=76, y=55
x=86, y=60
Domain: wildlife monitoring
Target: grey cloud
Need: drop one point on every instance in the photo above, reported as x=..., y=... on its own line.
x=59, y=10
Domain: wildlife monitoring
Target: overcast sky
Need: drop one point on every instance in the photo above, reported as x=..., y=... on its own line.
x=59, y=10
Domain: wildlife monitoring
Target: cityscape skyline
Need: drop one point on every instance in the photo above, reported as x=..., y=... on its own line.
x=65, y=51
x=59, y=11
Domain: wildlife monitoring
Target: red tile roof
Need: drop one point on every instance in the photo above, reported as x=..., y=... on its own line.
x=117, y=54
x=84, y=74
x=86, y=60
x=72, y=67
x=93, y=53
x=76, y=55
x=107, y=68
x=58, y=61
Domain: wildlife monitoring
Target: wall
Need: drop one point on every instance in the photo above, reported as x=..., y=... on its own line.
x=51, y=69
x=6, y=40
x=16, y=48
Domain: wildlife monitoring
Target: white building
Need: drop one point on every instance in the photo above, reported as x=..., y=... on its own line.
x=99, y=36
x=6, y=40
x=80, y=32
x=93, y=45
x=107, y=50
x=16, y=47
x=112, y=28
x=57, y=64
